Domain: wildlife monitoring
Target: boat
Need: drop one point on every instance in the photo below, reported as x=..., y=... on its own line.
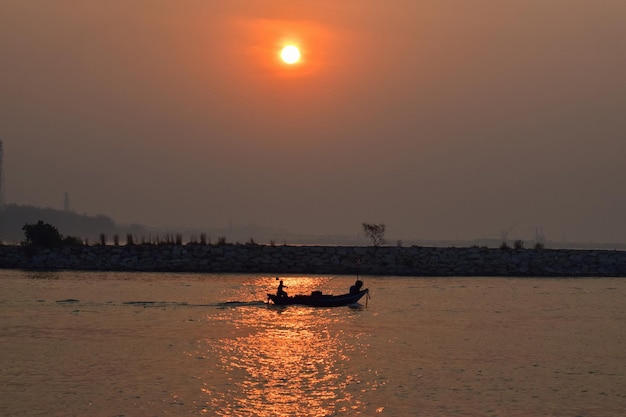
x=317, y=299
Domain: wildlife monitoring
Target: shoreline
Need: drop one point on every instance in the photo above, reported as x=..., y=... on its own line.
x=336, y=260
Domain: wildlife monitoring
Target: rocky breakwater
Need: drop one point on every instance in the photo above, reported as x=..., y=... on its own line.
x=409, y=261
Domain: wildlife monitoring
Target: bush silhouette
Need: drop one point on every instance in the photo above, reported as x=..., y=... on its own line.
x=42, y=235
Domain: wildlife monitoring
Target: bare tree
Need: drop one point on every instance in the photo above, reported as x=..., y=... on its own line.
x=375, y=232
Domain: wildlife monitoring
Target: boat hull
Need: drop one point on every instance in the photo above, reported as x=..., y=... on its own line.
x=318, y=300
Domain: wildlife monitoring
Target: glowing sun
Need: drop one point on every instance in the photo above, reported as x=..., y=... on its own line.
x=290, y=54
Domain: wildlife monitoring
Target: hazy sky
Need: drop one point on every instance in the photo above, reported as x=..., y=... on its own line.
x=440, y=118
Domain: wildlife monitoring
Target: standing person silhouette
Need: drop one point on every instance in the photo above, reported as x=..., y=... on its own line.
x=281, y=292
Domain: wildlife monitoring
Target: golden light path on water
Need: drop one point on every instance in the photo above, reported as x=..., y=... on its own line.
x=290, y=361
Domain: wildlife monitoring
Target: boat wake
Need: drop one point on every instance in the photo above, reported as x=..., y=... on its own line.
x=234, y=304
x=163, y=304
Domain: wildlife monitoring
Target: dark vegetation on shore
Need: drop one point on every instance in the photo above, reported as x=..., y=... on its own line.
x=88, y=230
x=45, y=235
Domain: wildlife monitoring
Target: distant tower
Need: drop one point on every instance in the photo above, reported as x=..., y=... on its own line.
x=66, y=202
x=1, y=176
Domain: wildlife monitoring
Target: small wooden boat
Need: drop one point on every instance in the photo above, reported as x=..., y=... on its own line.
x=317, y=299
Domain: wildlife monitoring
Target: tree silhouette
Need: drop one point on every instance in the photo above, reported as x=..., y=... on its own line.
x=375, y=232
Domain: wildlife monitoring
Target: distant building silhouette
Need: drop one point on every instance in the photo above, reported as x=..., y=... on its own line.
x=1, y=176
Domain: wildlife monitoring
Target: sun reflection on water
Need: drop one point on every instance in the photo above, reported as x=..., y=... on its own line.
x=282, y=361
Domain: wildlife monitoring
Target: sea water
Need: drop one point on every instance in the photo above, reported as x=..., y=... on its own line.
x=139, y=344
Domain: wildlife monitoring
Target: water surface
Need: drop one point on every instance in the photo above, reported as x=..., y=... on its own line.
x=138, y=344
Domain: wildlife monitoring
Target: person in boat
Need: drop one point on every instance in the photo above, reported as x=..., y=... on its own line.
x=280, y=292
x=356, y=287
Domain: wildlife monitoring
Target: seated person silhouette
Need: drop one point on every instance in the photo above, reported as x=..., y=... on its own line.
x=356, y=287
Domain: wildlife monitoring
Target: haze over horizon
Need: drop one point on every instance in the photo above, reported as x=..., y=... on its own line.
x=443, y=119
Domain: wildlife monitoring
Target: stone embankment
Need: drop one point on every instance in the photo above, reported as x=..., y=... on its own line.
x=408, y=261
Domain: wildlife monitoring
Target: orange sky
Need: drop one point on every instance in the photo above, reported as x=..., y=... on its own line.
x=442, y=119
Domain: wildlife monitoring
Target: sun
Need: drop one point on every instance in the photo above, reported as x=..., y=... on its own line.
x=290, y=54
